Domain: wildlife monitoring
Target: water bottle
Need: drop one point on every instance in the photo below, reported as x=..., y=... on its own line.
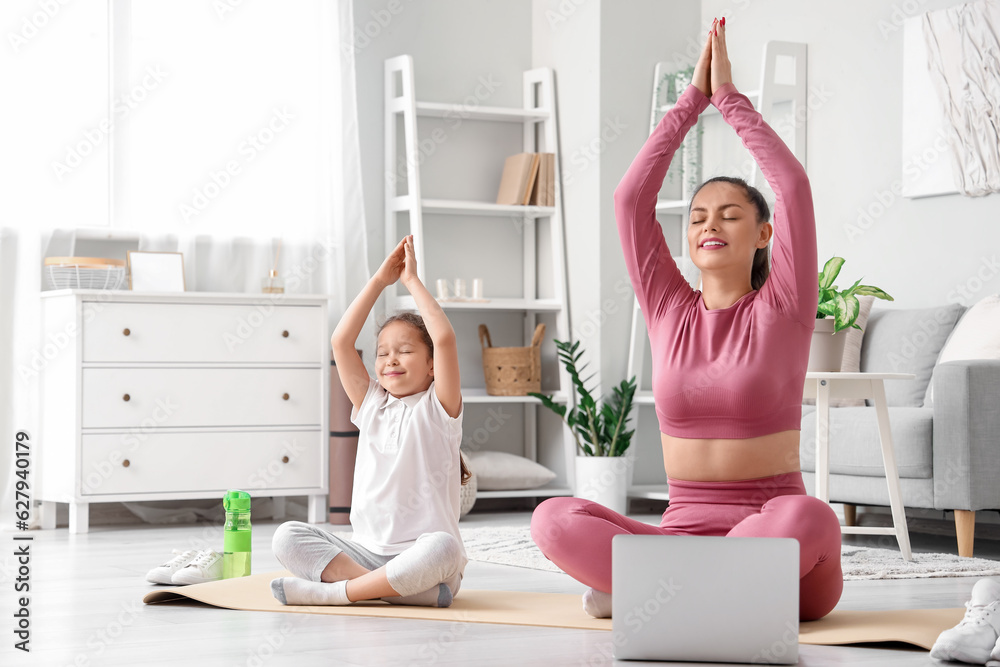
x=236, y=542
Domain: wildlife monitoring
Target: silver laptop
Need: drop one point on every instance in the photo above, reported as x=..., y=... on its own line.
x=706, y=599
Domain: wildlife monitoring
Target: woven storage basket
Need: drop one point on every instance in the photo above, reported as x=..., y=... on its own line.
x=512, y=371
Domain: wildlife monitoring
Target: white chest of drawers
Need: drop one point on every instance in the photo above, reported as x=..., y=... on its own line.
x=149, y=396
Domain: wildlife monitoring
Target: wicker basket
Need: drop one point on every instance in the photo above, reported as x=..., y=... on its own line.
x=84, y=273
x=512, y=371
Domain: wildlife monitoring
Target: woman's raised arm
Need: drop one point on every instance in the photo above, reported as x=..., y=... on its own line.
x=657, y=282
x=791, y=286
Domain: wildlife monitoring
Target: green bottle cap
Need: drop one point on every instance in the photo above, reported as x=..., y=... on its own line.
x=236, y=500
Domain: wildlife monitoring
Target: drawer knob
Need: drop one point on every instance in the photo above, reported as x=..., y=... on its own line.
x=284, y=459
x=126, y=398
x=284, y=334
x=285, y=396
x=125, y=463
x=126, y=331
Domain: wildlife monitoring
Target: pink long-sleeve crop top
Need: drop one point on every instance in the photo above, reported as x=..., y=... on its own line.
x=735, y=372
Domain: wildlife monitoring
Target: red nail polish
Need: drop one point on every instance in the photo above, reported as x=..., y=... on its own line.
x=723, y=20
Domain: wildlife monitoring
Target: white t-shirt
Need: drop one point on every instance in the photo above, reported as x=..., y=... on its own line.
x=407, y=477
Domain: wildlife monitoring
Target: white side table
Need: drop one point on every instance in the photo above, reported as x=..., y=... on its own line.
x=826, y=385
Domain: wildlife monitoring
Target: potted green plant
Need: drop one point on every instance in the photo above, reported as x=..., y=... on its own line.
x=836, y=311
x=602, y=468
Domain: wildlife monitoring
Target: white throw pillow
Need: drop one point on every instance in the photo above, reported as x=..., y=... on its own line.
x=976, y=336
x=500, y=471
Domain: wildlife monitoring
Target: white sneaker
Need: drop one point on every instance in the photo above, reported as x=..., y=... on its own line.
x=976, y=635
x=206, y=566
x=163, y=573
x=994, y=660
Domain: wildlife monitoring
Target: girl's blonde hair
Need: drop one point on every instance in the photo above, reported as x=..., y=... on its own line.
x=417, y=322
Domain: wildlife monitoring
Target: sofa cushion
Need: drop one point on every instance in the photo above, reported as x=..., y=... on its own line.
x=907, y=341
x=976, y=336
x=854, y=443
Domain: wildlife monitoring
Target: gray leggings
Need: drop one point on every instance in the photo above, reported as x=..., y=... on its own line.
x=306, y=550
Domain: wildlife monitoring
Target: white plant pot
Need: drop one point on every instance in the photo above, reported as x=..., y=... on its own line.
x=604, y=480
x=826, y=352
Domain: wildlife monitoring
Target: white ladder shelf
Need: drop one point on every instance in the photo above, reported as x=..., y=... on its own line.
x=538, y=118
x=765, y=97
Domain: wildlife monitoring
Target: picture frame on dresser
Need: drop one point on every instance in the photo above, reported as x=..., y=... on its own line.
x=156, y=271
x=176, y=396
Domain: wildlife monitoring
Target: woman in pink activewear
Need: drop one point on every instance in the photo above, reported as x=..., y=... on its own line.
x=729, y=360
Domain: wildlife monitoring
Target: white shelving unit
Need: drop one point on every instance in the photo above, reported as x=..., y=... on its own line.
x=538, y=118
x=769, y=93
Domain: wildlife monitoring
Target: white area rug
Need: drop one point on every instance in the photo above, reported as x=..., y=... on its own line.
x=512, y=545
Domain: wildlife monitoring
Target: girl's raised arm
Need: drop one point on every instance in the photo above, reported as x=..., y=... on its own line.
x=447, y=379
x=353, y=374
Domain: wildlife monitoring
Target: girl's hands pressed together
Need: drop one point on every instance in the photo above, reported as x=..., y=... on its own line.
x=392, y=267
x=722, y=69
x=410, y=264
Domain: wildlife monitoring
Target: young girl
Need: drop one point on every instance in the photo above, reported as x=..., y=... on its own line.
x=406, y=548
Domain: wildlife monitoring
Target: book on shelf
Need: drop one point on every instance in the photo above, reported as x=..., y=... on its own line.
x=518, y=180
x=544, y=192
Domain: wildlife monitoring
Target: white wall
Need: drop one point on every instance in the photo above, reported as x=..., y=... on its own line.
x=566, y=37
x=924, y=252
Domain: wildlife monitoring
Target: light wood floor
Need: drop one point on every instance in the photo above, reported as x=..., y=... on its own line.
x=86, y=609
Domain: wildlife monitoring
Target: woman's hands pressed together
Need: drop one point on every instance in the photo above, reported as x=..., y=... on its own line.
x=713, y=69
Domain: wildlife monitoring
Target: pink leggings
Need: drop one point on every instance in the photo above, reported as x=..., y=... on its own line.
x=575, y=534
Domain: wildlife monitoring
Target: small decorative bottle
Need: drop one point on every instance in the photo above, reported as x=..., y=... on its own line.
x=273, y=284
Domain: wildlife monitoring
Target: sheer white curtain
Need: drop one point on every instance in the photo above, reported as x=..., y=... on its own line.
x=219, y=131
